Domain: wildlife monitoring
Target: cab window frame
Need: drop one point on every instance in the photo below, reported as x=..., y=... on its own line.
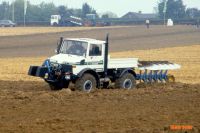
x=92, y=50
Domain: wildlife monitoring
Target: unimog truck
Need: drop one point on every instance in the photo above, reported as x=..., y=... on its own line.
x=85, y=64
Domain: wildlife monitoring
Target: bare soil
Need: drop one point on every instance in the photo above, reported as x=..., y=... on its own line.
x=121, y=39
x=149, y=108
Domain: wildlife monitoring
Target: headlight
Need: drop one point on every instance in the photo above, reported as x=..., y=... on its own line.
x=67, y=77
x=46, y=76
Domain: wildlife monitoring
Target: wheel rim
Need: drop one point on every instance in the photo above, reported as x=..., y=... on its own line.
x=127, y=84
x=87, y=86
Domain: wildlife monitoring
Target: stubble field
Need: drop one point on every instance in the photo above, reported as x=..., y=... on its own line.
x=15, y=69
x=28, y=105
x=10, y=31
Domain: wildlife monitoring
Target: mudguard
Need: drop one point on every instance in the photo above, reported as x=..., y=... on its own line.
x=128, y=70
x=92, y=72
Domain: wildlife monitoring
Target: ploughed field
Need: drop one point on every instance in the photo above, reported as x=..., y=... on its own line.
x=28, y=105
x=31, y=107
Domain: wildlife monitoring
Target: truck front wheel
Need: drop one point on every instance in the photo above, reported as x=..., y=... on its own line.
x=55, y=24
x=59, y=85
x=55, y=87
x=86, y=83
x=127, y=81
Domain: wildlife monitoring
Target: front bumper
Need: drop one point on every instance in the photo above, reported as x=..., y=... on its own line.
x=52, y=72
x=51, y=75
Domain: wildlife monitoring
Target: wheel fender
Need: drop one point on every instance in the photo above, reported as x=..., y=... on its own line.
x=128, y=70
x=92, y=72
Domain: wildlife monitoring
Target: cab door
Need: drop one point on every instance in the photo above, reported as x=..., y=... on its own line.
x=95, y=57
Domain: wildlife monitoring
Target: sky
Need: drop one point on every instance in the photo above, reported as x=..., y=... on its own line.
x=120, y=7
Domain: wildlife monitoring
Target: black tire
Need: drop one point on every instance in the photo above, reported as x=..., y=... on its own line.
x=55, y=87
x=59, y=85
x=55, y=24
x=127, y=81
x=86, y=83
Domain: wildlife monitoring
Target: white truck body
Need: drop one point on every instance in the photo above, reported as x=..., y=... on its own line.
x=115, y=63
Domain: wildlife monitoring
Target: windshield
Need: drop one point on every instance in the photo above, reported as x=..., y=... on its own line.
x=53, y=17
x=74, y=48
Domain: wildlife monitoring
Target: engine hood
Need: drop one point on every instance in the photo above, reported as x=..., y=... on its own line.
x=66, y=59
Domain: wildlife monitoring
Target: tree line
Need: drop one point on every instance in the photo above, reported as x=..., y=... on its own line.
x=175, y=9
x=41, y=12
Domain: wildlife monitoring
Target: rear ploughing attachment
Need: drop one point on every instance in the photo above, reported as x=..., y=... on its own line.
x=156, y=71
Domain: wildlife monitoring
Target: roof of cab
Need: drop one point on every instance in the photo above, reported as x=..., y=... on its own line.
x=89, y=40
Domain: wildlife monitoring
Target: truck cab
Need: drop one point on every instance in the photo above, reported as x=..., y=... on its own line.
x=55, y=19
x=80, y=52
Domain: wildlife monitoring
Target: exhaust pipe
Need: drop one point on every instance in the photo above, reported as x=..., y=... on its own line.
x=106, y=56
x=59, y=45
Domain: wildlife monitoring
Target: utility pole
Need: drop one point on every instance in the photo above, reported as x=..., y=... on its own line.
x=13, y=11
x=164, y=18
x=25, y=8
x=164, y=11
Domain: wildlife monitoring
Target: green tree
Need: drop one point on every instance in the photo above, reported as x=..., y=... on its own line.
x=75, y=12
x=33, y=12
x=193, y=13
x=4, y=10
x=62, y=10
x=41, y=12
x=19, y=10
x=46, y=10
x=87, y=9
x=105, y=16
x=109, y=15
x=175, y=9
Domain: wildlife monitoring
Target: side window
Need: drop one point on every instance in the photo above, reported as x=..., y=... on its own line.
x=95, y=50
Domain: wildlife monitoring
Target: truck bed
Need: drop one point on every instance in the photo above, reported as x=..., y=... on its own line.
x=122, y=63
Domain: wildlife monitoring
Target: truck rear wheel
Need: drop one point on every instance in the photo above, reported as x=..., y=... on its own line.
x=127, y=81
x=86, y=83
